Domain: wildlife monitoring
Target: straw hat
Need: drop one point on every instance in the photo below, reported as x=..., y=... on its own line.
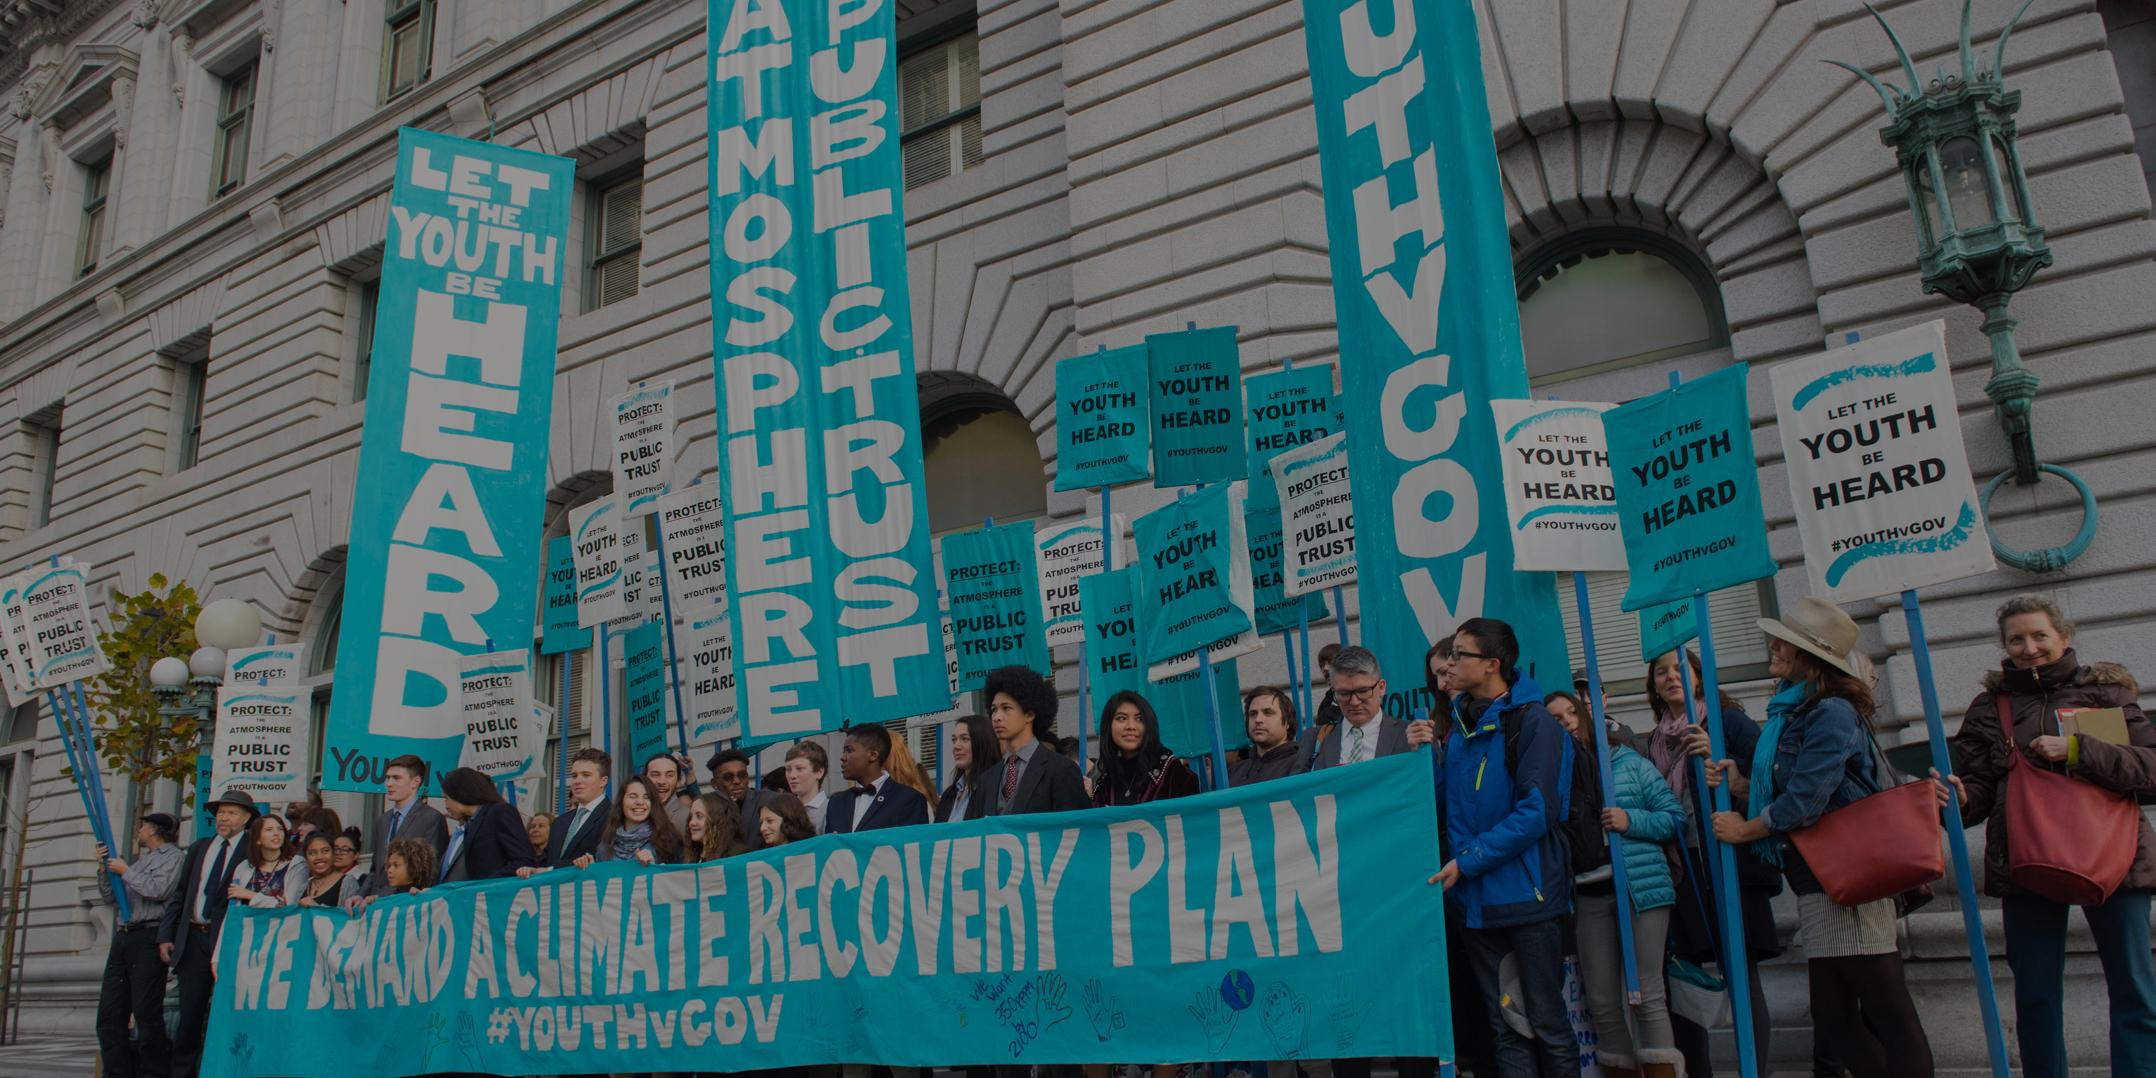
x=1820, y=629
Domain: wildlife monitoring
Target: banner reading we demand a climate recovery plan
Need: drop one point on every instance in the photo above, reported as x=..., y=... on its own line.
x=1264, y=922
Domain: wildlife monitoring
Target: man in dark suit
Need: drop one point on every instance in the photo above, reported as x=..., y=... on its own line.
x=1032, y=776
x=875, y=800
x=736, y=780
x=576, y=830
x=407, y=815
x=492, y=843
x=1363, y=731
x=187, y=937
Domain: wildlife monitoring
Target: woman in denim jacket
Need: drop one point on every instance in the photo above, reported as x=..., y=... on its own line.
x=1814, y=757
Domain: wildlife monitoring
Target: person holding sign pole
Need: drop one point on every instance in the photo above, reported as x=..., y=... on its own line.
x=1135, y=768
x=1032, y=776
x=1502, y=787
x=134, y=982
x=2040, y=685
x=1813, y=757
x=973, y=753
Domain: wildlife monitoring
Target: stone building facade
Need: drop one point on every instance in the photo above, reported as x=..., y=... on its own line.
x=194, y=195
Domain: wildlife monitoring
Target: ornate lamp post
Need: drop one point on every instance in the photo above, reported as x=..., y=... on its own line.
x=188, y=687
x=1978, y=241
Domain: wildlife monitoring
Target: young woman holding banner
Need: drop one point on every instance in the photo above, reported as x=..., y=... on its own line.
x=637, y=829
x=1135, y=768
x=2040, y=677
x=1816, y=756
x=1649, y=816
x=714, y=830
x=783, y=819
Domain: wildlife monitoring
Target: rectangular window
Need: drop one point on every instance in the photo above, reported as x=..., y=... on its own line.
x=44, y=463
x=189, y=376
x=368, y=293
x=410, y=45
x=1740, y=648
x=616, y=239
x=939, y=108
x=97, y=180
x=235, y=116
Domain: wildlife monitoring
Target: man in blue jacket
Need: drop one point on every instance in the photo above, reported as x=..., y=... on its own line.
x=1502, y=784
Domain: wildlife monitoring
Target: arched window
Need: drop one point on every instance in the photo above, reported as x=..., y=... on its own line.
x=1607, y=298
x=981, y=458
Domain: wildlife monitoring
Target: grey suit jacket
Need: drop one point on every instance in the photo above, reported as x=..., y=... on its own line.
x=1321, y=746
x=424, y=823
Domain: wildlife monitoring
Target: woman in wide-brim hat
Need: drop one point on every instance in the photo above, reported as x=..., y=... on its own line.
x=1815, y=756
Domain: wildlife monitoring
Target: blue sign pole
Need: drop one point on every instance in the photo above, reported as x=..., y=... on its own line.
x=561, y=726
x=83, y=759
x=1972, y=917
x=606, y=699
x=1085, y=704
x=1310, y=688
x=1340, y=612
x=666, y=609
x=1618, y=873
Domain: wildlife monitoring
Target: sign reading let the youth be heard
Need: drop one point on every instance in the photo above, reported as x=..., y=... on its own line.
x=1194, y=587
x=1114, y=665
x=1197, y=403
x=453, y=459
x=561, y=632
x=1664, y=627
x=995, y=604
x=1289, y=408
x=1558, y=492
x=1883, y=494
x=1103, y=429
x=829, y=573
x=1688, y=490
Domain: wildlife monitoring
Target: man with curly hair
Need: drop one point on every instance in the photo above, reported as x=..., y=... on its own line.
x=1032, y=776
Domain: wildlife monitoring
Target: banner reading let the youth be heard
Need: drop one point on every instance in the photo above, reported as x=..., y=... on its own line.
x=1289, y=408
x=829, y=574
x=1558, y=493
x=1688, y=490
x=1197, y=406
x=453, y=459
x=1883, y=494
x=1429, y=325
x=1194, y=587
x=1103, y=419
x=1285, y=920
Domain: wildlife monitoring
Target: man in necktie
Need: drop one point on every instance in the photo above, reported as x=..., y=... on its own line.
x=407, y=816
x=187, y=937
x=875, y=800
x=1363, y=731
x=1032, y=776
x=576, y=832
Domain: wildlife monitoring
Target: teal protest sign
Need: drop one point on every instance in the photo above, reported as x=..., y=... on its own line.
x=1665, y=627
x=643, y=691
x=1113, y=665
x=1289, y=408
x=1688, y=490
x=830, y=576
x=1270, y=921
x=1103, y=425
x=1196, y=380
x=1429, y=326
x=560, y=632
x=1275, y=610
x=453, y=458
x=1194, y=587
x=995, y=603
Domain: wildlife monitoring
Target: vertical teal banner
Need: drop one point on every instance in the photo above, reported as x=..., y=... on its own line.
x=1197, y=400
x=643, y=688
x=829, y=572
x=1429, y=325
x=1113, y=663
x=561, y=632
x=1688, y=490
x=1289, y=408
x=1103, y=429
x=1187, y=575
x=995, y=602
x=451, y=485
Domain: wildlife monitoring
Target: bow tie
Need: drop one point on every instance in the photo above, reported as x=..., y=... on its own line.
x=865, y=791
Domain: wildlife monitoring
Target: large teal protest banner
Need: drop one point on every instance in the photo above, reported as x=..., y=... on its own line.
x=1688, y=490
x=1196, y=380
x=1429, y=325
x=830, y=580
x=453, y=458
x=1194, y=587
x=1103, y=424
x=1109, y=602
x=1284, y=920
x=995, y=603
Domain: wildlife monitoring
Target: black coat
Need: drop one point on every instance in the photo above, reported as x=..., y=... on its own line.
x=495, y=845
x=587, y=839
x=896, y=805
x=1278, y=762
x=976, y=805
x=1051, y=783
x=177, y=928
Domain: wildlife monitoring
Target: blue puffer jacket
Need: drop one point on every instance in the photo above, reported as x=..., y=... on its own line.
x=1504, y=830
x=1656, y=817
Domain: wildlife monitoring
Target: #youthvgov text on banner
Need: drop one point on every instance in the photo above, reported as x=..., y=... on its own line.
x=1103, y=422
x=1558, y=494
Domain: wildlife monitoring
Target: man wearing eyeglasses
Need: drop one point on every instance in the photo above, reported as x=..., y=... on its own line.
x=1502, y=784
x=1363, y=731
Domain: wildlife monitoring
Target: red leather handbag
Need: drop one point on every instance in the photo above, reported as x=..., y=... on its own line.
x=1877, y=847
x=2070, y=841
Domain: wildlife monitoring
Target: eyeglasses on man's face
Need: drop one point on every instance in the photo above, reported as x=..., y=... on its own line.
x=1361, y=694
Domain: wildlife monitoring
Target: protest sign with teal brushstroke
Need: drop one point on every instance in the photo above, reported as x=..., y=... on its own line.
x=1688, y=490
x=1276, y=611
x=1194, y=574
x=260, y=743
x=995, y=603
x=1065, y=553
x=1872, y=438
x=1196, y=386
x=1558, y=492
x=1103, y=424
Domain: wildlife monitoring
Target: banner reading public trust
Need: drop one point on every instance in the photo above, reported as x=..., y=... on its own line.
x=1429, y=325
x=453, y=459
x=1271, y=921
x=830, y=581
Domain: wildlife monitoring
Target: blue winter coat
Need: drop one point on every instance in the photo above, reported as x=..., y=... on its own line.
x=1504, y=830
x=1656, y=818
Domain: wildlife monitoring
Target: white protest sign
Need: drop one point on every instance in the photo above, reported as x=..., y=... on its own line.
x=1559, y=497
x=61, y=642
x=499, y=738
x=704, y=661
x=1242, y=643
x=270, y=664
x=1877, y=469
x=642, y=422
x=1317, y=517
x=640, y=598
x=1065, y=552
x=595, y=544
x=14, y=655
x=261, y=745
x=694, y=532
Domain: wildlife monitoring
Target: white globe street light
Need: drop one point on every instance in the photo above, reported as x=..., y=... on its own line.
x=228, y=624
x=207, y=662
x=169, y=672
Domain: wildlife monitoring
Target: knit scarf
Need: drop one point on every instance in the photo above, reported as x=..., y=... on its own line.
x=1788, y=697
x=1666, y=746
x=629, y=839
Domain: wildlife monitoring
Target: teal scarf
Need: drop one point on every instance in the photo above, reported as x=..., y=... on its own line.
x=1788, y=697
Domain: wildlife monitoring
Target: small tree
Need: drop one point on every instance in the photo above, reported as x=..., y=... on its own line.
x=132, y=736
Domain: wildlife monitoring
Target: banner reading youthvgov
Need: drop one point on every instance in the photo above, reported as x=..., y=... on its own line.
x=829, y=575
x=1883, y=493
x=452, y=476
x=1688, y=490
x=1429, y=324
x=1270, y=921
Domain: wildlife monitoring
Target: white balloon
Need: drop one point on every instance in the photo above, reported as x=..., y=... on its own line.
x=228, y=624
x=169, y=672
